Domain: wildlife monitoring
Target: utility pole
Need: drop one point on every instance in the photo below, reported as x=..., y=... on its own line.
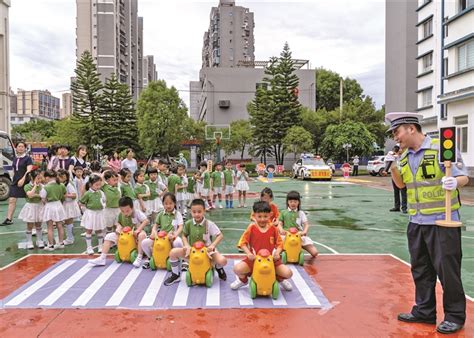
x=341, y=91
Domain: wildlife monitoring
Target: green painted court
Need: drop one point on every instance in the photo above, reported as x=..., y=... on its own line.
x=345, y=218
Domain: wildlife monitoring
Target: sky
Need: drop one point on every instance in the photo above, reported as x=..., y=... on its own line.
x=346, y=36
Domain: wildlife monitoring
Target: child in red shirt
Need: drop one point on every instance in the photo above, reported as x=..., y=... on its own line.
x=261, y=235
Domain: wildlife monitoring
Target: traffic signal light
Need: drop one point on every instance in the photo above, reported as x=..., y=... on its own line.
x=448, y=144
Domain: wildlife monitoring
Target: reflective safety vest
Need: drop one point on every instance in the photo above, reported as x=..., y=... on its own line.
x=425, y=194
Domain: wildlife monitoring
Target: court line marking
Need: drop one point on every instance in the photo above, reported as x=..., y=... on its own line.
x=15, y=261
x=327, y=247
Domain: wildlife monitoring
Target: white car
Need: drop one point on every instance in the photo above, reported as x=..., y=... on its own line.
x=376, y=165
x=313, y=167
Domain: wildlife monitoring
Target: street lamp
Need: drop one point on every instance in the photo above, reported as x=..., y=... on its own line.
x=97, y=148
x=347, y=146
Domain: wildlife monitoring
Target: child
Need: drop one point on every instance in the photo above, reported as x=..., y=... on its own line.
x=198, y=184
x=198, y=229
x=54, y=194
x=112, y=197
x=142, y=191
x=154, y=204
x=206, y=185
x=162, y=169
x=71, y=207
x=261, y=235
x=128, y=217
x=217, y=178
x=181, y=187
x=229, y=181
x=192, y=185
x=169, y=220
x=242, y=184
x=126, y=189
x=267, y=196
x=79, y=181
x=93, y=218
x=32, y=211
x=294, y=217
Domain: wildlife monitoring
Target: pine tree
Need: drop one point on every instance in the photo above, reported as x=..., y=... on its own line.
x=118, y=118
x=86, y=96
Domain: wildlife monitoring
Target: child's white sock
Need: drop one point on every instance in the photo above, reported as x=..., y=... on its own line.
x=28, y=236
x=39, y=234
x=174, y=266
x=88, y=240
x=69, y=232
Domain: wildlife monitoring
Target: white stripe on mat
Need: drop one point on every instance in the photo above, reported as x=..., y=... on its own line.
x=123, y=288
x=18, y=299
x=65, y=286
x=213, y=293
x=153, y=289
x=244, y=294
x=280, y=301
x=88, y=293
x=182, y=293
x=303, y=288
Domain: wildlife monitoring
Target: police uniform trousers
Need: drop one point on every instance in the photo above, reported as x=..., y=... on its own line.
x=436, y=251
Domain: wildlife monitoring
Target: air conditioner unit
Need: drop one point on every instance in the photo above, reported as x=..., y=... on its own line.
x=224, y=103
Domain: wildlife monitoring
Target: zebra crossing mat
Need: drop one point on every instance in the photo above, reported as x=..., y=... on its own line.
x=74, y=283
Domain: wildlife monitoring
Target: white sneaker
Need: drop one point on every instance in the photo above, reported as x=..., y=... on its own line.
x=83, y=234
x=220, y=206
x=29, y=245
x=49, y=248
x=59, y=246
x=99, y=249
x=137, y=262
x=237, y=284
x=40, y=244
x=97, y=261
x=33, y=232
x=68, y=241
x=286, y=285
x=90, y=250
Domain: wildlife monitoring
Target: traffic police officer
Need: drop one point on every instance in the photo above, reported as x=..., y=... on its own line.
x=435, y=251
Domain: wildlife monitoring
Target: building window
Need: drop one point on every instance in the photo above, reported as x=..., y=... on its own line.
x=427, y=62
x=466, y=55
x=426, y=95
x=428, y=28
x=463, y=4
x=444, y=112
x=446, y=63
x=461, y=132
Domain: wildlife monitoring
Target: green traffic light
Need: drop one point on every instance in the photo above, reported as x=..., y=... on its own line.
x=448, y=155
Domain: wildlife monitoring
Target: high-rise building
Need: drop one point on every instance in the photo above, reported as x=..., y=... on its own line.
x=400, y=55
x=66, y=105
x=34, y=105
x=230, y=36
x=4, y=66
x=149, y=70
x=112, y=32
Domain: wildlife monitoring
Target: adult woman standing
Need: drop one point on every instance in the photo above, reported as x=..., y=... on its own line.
x=79, y=160
x=22, y=165
x=114, y=163
x=130, y=163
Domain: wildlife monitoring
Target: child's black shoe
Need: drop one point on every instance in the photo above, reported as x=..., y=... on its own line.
x=221, y=273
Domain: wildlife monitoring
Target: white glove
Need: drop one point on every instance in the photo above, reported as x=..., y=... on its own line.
x=449, y=183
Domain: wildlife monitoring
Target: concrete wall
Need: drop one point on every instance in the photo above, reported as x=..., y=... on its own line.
x=400, y=54
x=238, y=86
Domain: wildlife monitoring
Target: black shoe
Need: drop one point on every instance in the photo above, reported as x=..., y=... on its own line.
x=395, y=209
x=7, y=222
x=404, y=211
x=173, y=278
x=221, y=273
x=184, y=266
x=146, y=265
x=448, y=327
x=409, y=318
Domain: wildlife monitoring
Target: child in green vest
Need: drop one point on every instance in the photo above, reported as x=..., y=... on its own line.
x=93, y=219
x=192, y=187
x=112, y=197
x=131, y=217
x=70, y=204
x=142, y=191
x=217, y=180
x=206, y=185
x=181, y=193
x=53, y=193
x=169, y=220
x=229, y=181
x=156, y=187
x=198, y=228
x=294, y=217
x=32, y=211
x=126, y=188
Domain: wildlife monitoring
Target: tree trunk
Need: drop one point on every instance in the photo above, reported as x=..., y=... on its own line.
x=242, y=153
